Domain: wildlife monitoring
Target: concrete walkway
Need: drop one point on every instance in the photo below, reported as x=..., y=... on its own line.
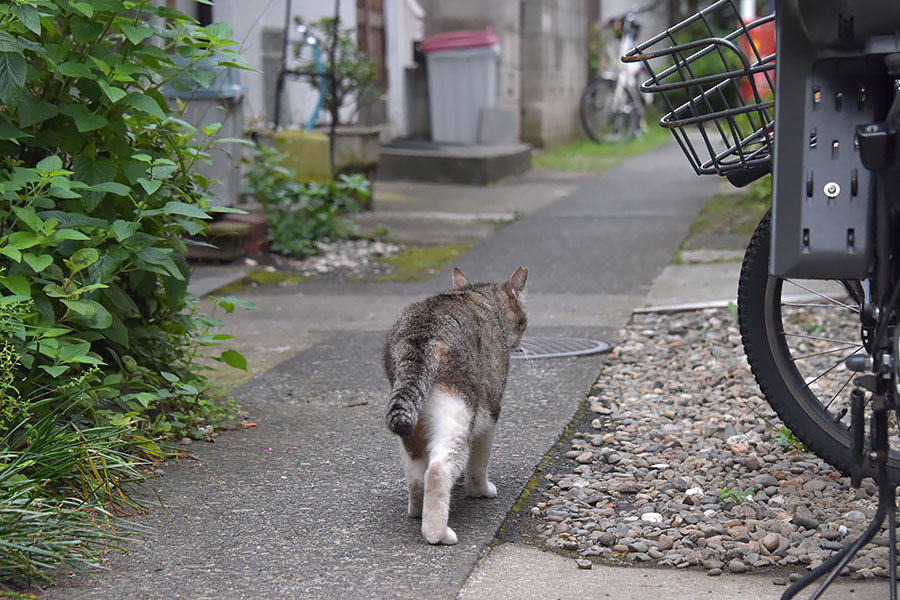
x=310, y=503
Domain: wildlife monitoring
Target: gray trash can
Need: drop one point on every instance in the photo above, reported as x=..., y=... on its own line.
x=462, y=74
x=221, y=102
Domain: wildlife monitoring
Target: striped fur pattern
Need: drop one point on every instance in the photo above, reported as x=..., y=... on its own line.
x=447, y=360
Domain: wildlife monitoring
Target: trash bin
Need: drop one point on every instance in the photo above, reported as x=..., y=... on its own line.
x=462, y=67
x=221, y=102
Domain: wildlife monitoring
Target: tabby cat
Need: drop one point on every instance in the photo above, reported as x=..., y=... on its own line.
x=447, y=359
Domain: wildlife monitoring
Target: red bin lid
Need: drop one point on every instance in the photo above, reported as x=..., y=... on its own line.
x=459, y=40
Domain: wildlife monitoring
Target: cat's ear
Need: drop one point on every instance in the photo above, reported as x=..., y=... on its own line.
x=459, y=280
x=516, y=283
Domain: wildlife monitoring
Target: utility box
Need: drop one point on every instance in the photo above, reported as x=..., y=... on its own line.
x=462, y=74
x=221, y=102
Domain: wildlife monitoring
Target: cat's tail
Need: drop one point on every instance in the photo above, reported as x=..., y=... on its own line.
x=414, y=377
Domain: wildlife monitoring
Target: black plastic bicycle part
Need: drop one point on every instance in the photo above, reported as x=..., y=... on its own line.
x=717, y=88
x=887, y=508
x=830, y=81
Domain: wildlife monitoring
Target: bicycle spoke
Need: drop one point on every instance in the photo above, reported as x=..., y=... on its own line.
x=807, y=305
x=838, y=393
x=819, y=338
x=821, y=295
x=830, y=369
x=824, y=352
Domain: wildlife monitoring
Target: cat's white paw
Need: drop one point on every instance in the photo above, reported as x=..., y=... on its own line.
x=485, y=490
x=447, y=537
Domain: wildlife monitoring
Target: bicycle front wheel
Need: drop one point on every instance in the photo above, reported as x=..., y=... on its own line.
x=796, y=335
x=605, y=117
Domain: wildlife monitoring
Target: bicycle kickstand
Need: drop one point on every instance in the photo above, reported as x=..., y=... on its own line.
x=887, y=508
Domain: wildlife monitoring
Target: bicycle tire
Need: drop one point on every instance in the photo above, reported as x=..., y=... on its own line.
x=761, y=322
x=598, y=119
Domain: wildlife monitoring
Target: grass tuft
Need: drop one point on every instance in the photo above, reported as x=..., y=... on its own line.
x=588, y=156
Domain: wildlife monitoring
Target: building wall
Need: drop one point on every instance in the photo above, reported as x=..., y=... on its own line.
x=553, y=69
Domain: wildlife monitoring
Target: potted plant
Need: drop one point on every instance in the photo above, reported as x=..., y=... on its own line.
x=348, y=77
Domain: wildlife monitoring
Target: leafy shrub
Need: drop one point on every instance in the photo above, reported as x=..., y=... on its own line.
x=98, y=337
x=300, y=214
x=98, y=189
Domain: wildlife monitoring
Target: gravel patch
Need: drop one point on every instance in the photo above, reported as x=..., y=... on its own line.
x=346, y=258
x=681, y=465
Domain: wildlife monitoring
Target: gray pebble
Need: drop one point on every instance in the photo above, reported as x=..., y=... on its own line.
x=736, y=566
x=583, y=563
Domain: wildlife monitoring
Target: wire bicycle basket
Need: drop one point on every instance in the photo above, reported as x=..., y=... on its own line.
x=718, y=89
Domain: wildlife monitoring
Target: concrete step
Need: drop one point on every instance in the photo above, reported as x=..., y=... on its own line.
x=413, y=160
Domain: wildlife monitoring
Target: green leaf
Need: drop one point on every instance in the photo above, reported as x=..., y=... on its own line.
x=13, y=67
x=38, y=263
x=27, y=215
x=84, y=258
x=29, y=16
x=84, y=8
x=84, y=119
x=225, y=209
x=55, y=332
x=145, y=104
x=94, y=313
x=73, y=352
x=8, y=131
x=85, y=308
x=49, y=164
x=32, y=112
x=55, y=371
x=170, y=377
x=233, y=358
x=211, y=129
x=124, y=229
x=185, y=210
x=54, y=290
x=135, y=33
x=234, y=140
x=78, y=70
x=17, y=284
x=113, y=93
x=150, y=185
x=218, y=31
x=154, y=256
x=21, y=240
x=12, y=253
x=85, y=31
x=112, y=187
x=68, y=234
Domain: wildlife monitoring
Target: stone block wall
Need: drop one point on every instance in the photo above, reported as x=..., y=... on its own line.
x=553, y=69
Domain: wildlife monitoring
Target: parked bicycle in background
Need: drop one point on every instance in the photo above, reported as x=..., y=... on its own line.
x=612, y=107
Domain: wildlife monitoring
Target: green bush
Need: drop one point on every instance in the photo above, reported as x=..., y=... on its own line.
x=97, y=191
x=300, y=214
x=99, y=339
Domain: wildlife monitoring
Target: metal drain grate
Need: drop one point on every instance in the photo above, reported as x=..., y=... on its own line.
x=557, y=347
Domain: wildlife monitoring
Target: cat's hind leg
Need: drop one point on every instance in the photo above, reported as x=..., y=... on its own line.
x=415, y=460
x=477, y=484
x=447, y=419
